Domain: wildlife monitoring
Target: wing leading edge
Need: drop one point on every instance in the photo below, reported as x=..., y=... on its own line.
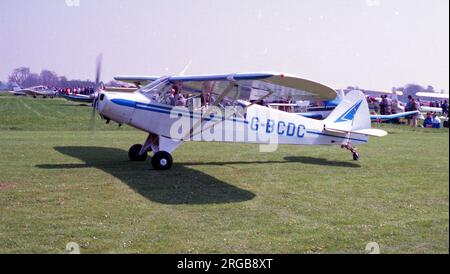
x=279, y=84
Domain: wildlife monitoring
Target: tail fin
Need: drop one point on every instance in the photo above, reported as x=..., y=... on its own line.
x=352, y=116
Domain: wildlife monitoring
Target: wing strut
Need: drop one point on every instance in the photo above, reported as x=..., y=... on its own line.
x=227, y=90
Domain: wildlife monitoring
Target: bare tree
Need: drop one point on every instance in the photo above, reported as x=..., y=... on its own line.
x=19, y=76
x=32, y=80
x=25, y=78
x=412, y=89
x=48, y=78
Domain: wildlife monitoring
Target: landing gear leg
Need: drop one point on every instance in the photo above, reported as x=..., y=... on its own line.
x=139, y=153
x=352, y=149
x=162, y=148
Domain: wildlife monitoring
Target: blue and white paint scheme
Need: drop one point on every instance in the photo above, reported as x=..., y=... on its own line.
x=168, y=126
x=79, y=98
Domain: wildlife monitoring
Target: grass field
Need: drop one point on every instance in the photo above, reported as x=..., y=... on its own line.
x=60, y=183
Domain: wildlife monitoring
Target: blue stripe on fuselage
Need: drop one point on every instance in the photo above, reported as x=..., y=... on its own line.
x=167, y=110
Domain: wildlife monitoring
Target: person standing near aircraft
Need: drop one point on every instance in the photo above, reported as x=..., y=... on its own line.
x=412, y=105
x=388, y=105
x=371, y=102
x=445, y=108
x=382, y=106
x=415, y=107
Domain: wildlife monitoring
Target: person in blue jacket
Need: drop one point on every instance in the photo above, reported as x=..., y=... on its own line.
x=428, y=121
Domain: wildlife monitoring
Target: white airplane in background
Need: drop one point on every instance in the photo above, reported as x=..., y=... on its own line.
x=322, y=112
x=230, y=113
x=38, y=91
x=440, y=96
x=432, y=96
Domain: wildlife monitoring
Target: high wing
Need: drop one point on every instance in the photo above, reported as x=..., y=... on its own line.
x=433, y=95
x=248, y=86
x=139, y=81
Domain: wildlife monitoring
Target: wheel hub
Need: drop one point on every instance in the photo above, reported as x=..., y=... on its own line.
x=163, y=162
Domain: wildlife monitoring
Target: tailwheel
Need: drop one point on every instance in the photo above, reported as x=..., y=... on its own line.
x=355, y=156
x=162, y=160
x=134, y=156
x=352, y=149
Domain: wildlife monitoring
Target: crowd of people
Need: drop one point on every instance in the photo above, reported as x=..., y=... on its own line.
x=76, y=90
x=388, y=106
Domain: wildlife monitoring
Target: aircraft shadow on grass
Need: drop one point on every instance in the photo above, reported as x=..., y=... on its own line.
x=288, y=159
x=180, y=185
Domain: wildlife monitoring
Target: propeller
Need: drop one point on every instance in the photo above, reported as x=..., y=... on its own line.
x=98, y=89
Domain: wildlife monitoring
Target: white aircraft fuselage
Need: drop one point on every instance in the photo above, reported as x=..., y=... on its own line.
x=257, y=124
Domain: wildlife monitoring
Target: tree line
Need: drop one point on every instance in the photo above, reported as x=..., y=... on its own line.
x=25, y=78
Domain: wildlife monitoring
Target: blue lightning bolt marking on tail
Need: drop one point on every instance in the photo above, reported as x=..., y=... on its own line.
x=349, y=115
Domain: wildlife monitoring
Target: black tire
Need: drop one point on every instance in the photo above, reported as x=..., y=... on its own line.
x=133, y=154
x=162, y=160
x=355, y=156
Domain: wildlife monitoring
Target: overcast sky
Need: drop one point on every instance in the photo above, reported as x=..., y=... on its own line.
x=375, y=44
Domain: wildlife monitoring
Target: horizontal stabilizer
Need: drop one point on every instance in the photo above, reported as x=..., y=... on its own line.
x=369, y=131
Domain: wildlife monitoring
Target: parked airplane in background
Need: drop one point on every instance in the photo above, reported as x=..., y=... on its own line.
x=38, y=91
x=326, y=108
x=79, y=98
x=431, y=97
x=84, y=99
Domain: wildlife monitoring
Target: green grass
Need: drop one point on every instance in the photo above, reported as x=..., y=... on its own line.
x=61, y=183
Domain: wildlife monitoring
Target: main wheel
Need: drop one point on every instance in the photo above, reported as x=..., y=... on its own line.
x=162, y=160
x=355, y=156
x=134, y=156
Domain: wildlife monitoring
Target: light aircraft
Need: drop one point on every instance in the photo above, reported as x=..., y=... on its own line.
x=38, y=91
x=84, y=99
x=433, y=95
x=430, y=96
x=79, y=98
x=224, y=108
